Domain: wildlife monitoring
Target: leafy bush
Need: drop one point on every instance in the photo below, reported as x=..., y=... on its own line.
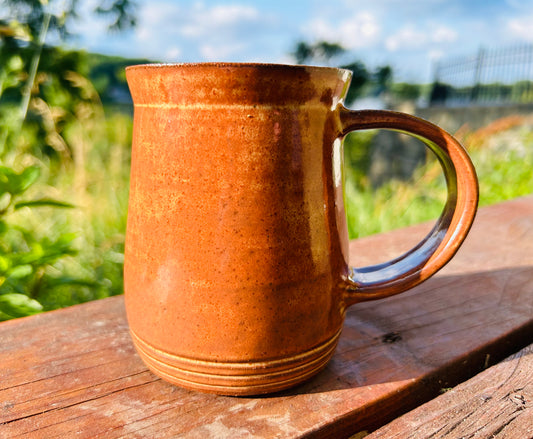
x=57, y=143
x=24, y=256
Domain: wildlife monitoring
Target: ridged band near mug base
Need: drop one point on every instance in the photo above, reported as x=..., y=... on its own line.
x=236, y=378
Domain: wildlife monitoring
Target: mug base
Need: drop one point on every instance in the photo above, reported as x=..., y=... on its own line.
x=236, y=378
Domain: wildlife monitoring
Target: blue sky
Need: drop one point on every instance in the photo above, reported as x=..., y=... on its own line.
x=407, y=34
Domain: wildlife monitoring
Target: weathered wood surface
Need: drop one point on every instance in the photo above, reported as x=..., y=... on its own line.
x=74, y=372
x=497, y=403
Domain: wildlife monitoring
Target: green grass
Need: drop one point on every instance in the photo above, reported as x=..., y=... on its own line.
x=96, y=182
x=503, y=161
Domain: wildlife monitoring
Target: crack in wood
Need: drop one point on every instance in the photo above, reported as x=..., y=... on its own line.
x=83, y=401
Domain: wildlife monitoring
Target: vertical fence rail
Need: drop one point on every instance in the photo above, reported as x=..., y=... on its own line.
x=490, y=77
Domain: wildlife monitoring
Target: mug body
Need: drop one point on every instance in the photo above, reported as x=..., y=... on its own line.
x=236, y=235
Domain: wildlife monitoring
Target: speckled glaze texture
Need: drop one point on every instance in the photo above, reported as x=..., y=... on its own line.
x=236, y=271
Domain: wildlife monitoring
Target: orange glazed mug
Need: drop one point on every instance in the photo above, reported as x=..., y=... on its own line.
x=236, y=271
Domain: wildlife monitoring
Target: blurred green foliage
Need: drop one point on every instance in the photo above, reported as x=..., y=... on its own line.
x=24, y=254
x=503, y=161
x=63, y=165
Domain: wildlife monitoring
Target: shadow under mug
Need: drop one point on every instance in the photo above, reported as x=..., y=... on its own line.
x=236, y=272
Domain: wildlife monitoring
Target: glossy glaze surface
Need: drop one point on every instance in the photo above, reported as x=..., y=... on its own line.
x=236, y=274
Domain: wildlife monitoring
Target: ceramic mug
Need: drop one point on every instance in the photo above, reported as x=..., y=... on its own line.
x=236, y=263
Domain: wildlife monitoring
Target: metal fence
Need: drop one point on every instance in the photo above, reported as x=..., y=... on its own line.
x=490, y=77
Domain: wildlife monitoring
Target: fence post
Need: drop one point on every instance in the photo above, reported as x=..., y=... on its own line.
x=477, y=75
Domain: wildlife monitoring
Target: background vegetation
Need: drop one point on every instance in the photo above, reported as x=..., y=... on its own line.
x=63, y=162
x=65, y=134
x=503, y=158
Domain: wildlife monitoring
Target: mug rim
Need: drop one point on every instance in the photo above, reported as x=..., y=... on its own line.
x=236, y=65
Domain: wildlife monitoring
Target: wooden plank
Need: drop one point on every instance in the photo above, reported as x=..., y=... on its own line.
x=75, y=372
x=497, y=403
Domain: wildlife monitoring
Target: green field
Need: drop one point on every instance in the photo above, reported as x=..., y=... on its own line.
x=503, y=161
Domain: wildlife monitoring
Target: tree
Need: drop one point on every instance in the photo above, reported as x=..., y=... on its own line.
x=302, y=53
x=321, y=52
x=122, y=13
x=22, y=42
x=324, y=52
x=406, y=92
x=383, y=79
x=63, y=14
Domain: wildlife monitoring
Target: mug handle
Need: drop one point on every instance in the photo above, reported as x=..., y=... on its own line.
x=450, y=230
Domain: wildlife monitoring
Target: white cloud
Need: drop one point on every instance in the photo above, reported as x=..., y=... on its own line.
x=203, y=21
x=444, y=34
x=354, y=32
x=172, y=53
x=220, y=51
x=411, y=37
x=228, y=15
x=154, y=18
x=521, y=28
x=208, y=32
x=406, y=38
x=435, y=55
x=91, y=26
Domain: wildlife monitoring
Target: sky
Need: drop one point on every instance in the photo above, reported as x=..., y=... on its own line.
x=409, y=35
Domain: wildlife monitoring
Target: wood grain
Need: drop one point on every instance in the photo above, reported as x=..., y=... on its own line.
x=497, y=403
x=74, y=372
